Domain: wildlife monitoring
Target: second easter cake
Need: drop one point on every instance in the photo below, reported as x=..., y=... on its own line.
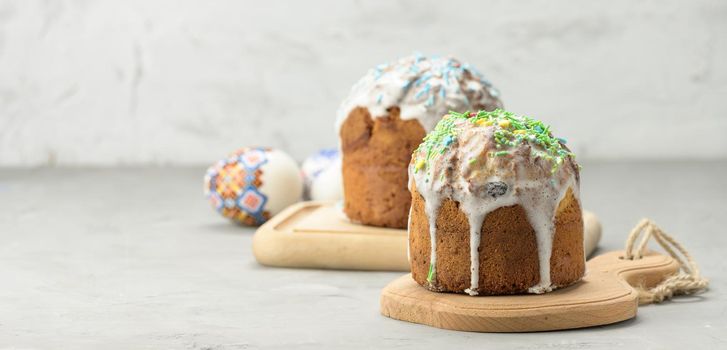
x=385, y=117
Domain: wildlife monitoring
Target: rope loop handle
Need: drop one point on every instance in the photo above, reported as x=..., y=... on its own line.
x=687, y=281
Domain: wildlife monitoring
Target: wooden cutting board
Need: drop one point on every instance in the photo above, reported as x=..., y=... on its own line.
x=317, y=235
x=604, y=296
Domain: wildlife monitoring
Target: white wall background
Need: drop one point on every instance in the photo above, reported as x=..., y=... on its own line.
x=185, y=82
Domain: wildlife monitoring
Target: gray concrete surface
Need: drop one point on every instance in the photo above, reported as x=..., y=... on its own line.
x=135, y=258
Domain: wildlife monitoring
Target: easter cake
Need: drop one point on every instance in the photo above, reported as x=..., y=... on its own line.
x=495, y=207
x=385, y=117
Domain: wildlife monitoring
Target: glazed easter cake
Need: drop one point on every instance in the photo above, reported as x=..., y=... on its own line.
x=495, y=207
x=385, y=117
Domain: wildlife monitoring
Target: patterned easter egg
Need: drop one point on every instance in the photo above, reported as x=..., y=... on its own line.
x=252, y=184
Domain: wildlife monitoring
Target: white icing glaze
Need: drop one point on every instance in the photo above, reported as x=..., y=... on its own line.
x=408, y=235
x=529, y=181
x=424, y=88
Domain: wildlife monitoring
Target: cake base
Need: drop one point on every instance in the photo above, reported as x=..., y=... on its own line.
x=604, y=296
x=317, y=235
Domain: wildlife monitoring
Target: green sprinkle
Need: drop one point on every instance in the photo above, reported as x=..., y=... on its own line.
x=431, y=275
x=510, y=130
x=473, y=161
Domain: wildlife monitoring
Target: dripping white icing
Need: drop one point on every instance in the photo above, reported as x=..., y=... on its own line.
x=476, y=209
x=408, y=235
x=541, y=210
x=452, y=176
x=431, y=208
x=475, y=222
x=424, y=88
x=432, y=211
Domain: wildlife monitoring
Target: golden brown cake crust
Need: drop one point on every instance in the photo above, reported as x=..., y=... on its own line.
x=508, y=250
x=376, y=154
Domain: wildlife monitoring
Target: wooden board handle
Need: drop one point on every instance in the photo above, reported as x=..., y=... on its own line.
x=604, y=296
x=646, y=272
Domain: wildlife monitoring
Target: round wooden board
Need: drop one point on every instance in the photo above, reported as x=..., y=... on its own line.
x=604, y=296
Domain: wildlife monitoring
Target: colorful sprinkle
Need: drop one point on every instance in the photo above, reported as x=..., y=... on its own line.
x=419, y=164
x=430, y=101
x=448, y=140
x=512, y=131
x=423, y=91
x=426, y=76
x=484, y=122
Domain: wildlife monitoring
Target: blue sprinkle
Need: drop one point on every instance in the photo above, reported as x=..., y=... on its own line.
x=448, y=140
x=423, y=91
x=328, y=152
x=406, y=84
x=562, y=140
x=442, y=93
x=430, y=101
x=378, y=99
x=538, y=129
x=423, y=78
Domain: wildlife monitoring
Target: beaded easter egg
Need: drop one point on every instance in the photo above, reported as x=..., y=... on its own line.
x=252, y=184
x=322, y=175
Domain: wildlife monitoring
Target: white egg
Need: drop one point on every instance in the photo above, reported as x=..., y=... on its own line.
x=282, y=181
x=329, y=183
x=322, y=174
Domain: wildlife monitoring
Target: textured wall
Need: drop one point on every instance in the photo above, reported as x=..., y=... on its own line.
x=167, y=82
